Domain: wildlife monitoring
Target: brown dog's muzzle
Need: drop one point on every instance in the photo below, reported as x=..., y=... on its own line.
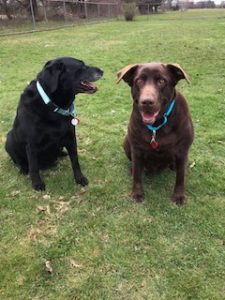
x=149, y=104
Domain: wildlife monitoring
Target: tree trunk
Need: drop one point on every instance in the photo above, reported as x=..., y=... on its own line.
x=35, y=9
x=6, y=9
x=27, y=5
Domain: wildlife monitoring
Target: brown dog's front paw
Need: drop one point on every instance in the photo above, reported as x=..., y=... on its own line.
x=137, y=196
x=179, y=199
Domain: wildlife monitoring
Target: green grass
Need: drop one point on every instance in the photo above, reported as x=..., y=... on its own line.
x=100, y=244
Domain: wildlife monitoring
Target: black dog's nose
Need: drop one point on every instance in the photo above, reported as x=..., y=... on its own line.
x=101, y=71
x=98, y=73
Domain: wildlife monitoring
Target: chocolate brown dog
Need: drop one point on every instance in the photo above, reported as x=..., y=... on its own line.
x=160, y=131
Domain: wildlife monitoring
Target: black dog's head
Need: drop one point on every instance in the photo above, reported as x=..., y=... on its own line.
x=68, y=76
x=153, y=87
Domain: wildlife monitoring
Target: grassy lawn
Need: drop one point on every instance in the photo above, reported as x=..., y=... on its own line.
x=100, y=244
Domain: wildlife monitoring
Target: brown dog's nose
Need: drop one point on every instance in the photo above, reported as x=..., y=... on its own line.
x=148, y=102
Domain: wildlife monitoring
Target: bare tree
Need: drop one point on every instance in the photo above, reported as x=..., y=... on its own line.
x=149, y=6
x=5, y=6
x=27, y=5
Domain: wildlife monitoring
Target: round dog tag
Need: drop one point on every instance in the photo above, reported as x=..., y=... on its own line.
x=154, y=144
x=75, y=121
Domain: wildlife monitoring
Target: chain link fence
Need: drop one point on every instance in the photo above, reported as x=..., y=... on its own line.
x=52, y=14
x=39, y=15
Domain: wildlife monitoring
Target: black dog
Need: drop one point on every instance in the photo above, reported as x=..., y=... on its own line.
x=44, y=120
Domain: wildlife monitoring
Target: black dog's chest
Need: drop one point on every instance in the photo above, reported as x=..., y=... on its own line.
x=53, y=133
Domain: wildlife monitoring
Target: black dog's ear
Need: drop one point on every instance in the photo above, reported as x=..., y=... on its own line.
x=127, y=74
x=48, y=63
x=177, y=72
x=50, y=74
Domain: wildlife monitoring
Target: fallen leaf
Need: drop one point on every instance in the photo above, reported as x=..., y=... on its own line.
x=44, y=209
x=62, y=207
x=14, y=193
x=105, y=238
x=75, y=265
x=192, y=165
x=48, y=210
x=34, y=233
x=48, y=266
x=143, y=284
x=87, y=141
x=82, y=191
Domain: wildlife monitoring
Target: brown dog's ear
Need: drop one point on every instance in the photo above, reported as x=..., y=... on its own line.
x=178, y=72
x=127, y=74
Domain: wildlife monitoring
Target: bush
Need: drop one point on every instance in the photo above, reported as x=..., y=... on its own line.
x=129, y=10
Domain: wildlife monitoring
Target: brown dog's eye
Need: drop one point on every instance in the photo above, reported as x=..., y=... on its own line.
x=140, y=82
x=161, y=81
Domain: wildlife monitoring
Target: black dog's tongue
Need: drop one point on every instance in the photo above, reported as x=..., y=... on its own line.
x=89, y=86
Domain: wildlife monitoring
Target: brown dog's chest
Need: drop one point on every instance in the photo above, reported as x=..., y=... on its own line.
x=166, y=139
x=164, y=154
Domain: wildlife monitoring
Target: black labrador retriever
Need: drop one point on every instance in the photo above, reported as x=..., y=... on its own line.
x=44, y=122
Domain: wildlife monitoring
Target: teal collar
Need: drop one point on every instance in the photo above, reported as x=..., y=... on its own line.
x=165, y=118
x=154, y=144
x=56, y=108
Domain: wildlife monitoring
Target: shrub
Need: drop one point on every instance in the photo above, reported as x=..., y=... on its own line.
x=129, y=10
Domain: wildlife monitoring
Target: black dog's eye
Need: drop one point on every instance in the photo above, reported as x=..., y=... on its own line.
x=161, y=81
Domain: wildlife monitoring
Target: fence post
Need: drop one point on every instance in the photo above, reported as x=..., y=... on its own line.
x=32, y=13
x=44, y=9
x=64, y=11
x=85, y=10
x=98, y=8
x=118, y=10
x=109, y=10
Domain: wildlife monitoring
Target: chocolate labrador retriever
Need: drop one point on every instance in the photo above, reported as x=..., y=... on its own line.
x=45, y=121
x=160, y=130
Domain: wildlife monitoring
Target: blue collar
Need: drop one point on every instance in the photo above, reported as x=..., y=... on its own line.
x=56, y=108
x=165, y=116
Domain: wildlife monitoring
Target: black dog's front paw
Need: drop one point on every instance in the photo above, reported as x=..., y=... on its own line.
x=39, y=186
x=82, y=180
x=24, y=170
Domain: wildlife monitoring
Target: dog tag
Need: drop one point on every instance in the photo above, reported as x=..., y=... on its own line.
x=153, y=142
x=75, y=121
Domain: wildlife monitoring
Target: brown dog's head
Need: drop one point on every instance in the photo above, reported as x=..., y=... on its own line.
x=152, y=86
